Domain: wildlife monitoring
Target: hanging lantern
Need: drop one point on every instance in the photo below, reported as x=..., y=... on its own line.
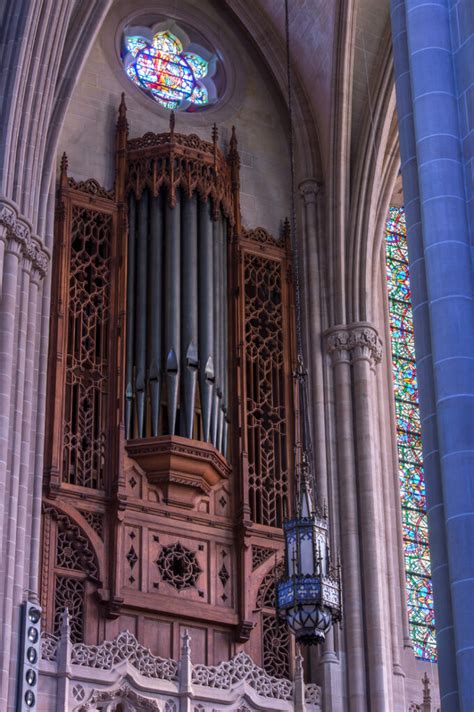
x=308, y=594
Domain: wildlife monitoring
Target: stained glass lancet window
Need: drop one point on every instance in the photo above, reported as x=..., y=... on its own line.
x=174, y=72
x=412, y=489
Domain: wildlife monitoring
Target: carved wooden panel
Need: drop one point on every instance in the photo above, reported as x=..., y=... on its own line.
x=71, y=563
x=276, y=645
x=87, y=348
x=266, y=389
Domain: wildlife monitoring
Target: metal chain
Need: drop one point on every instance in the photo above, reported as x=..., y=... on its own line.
x=301, y=374
x=294, y=246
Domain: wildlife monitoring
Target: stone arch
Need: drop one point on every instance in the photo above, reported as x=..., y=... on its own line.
x=122, y=699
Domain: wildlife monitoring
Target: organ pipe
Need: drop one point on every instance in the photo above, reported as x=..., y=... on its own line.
x=129, y=385
x=206, y=318
x=176, y=352
x=141, y=311
x=226, y=340
x=189, y=315
x=217, y=332
x=172, y=308
x=155, y=276
x=223, y=304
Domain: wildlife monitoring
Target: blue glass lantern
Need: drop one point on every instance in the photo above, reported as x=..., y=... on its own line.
x=308, y=594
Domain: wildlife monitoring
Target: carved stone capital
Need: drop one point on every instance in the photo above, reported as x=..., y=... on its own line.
x=365, y=343
x=338, y=346
x=354, y=342
x=309, y=190
x=16, y=233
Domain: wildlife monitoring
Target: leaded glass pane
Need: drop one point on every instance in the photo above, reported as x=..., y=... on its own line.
x=412, y=489
x=159, y=65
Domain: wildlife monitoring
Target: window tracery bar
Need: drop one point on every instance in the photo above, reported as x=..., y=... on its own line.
x=412, y=488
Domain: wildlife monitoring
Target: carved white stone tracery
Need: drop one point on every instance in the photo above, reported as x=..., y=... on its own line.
x=125, y=647
x=122, y=671
x=241, y=667
x=109, y=700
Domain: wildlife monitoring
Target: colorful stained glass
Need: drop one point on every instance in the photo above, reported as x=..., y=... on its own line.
x=162, y=67
x=412, y=488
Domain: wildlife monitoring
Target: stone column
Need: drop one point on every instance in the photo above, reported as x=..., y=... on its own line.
x=442, y=286
x=310, y=191
x=339, y=349
x=24, y=265
x=366, y=350
x=450, y=286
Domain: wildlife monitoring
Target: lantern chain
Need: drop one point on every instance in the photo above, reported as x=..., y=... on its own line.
x=300, y=375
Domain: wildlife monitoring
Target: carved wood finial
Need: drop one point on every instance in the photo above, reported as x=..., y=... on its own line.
x=172, y=122
x=63, y=170
x=64, y=163
x=233, y=143
x=122, y=123
x=122, y=114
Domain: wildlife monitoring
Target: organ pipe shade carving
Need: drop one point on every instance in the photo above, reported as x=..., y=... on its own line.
x=266, y=384
x=177, y=341
x=87, y=348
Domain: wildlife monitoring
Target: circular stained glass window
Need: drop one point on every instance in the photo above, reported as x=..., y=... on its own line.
x=175, y=72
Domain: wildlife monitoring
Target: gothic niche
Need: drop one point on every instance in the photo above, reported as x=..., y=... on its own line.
x=178, y=566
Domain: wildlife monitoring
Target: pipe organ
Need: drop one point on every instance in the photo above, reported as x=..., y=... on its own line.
x=179, y=206
x=170, y=406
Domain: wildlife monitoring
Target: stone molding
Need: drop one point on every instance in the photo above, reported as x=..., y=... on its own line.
x=19, y=240
x=354, y=342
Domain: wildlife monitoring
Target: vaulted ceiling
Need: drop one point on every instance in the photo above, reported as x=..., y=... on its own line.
x=336, y=46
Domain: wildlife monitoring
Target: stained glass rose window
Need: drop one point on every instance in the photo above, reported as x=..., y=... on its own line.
x=176, y=73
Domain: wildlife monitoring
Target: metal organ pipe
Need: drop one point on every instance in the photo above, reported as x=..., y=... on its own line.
x=222, y=310
x=176, y=318
x=129, y=385
x=155, y=288
x=225, y=351
x=141, y=311
x=217, y=332
x=172, y=307
x=189, y=315
x=206, y=318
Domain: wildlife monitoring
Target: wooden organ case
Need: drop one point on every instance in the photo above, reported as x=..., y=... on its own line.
x=170, y=407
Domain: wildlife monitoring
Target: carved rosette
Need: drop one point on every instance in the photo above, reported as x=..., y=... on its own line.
x=353, y=343
x=16, y=234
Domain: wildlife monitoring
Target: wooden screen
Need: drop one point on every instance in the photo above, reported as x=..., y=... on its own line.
x=87, y=348
x=266, y=365
x=80, y=346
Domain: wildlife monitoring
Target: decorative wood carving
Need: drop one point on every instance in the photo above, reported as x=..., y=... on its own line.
x=276, y=645
x=181, y=467
x=260, y=554
x=174, y=160
x=267, y=385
